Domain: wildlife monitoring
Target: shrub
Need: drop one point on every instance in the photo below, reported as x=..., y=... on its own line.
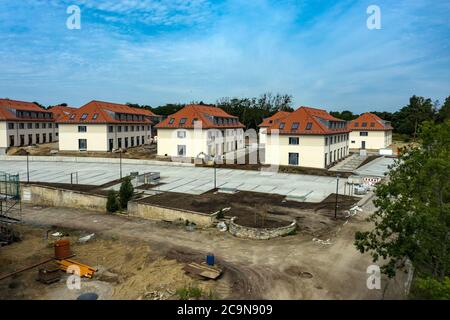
x=431, y=289
x=112, y=204
x=126, y=192
x=189, y=292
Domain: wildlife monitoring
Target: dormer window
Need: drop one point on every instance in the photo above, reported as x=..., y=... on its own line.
x=356, y=124
x=95, y=116
x=309, y=126
x=295, y=125
x=72, y=117
x=282, y=124
x=372, y=124
x=183, y=121
x=172, y=120
x=194, y=120
x=364, y=124
x=84, y=116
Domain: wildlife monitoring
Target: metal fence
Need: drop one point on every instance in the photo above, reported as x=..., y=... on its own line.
x=9, y=186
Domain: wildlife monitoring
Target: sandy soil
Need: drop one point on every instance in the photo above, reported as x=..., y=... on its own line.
x=292, y=267
x=127, y=269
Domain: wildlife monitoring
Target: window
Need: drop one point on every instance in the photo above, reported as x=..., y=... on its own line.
x=84, y=116
x=11, y=141
x=56, y=126
x=326, y=159
x=29, y=125
x=363, y=134
x=181, y=150
x=50, y=137
x=30, y=139
x=372, y=124
x=95, y=116
x=293, y=140
x=10, y=126
x=44, y=138
x=119, y=143
x=282, y=124
x=137, y=141
x=126, y=128
x=356, y=124
x=37, y=138
x=182, y=121
x=181, y=134
x=172, y=120
x=353, y=141
x=82, y=129
x=72, y=117
x=295, y=125
x=309, y=126
x=82, y=144
x=21, y=125
x=111, y=129
x=364, y=124
x=50, y=125
x=119, y=129
x=137, y=128
x=143, y=128
x=132, y=128
x=293, y=159
x=132, y=141
x=326, y=141
x=44, y=125
x=36, y=125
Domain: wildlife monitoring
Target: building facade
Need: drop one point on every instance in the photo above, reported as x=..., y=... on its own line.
x=197, y=130
x=307, y=137
x=104, y=127
x=371, y=132
x=24, y=124
x=276, y=118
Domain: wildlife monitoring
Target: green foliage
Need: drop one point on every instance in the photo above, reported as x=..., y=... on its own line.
x=126, y=192
x=190, y=292
x=431, y=289
x=444, y=111
x=344, y=115
x=413, y=212
x=410, y=117
x=112, y=204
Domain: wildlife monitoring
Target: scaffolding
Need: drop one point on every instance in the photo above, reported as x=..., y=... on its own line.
x=10, y=203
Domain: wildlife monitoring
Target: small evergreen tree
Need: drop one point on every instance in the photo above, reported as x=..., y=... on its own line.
x=112, y=204
x=126, y=192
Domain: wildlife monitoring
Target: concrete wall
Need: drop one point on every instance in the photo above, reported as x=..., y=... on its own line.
x=54, y=197
x=311, y=149
x=17, y=132
x=153, y=212
x=374, y=140
x=96, y=137
x=93, y=160
x=259, y=233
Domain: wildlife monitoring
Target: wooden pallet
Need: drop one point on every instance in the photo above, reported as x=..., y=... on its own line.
x=203, y=270
x=85, y=270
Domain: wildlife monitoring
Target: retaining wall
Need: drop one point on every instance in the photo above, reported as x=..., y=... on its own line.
x=56, y=197
x=94, y=160
x=260, y=233
x=154, y=212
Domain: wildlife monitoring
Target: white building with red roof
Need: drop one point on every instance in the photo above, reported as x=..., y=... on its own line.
x=307, y=137
x=267, y=122
x=104, y=126
x=369, y=131
x=199, y=129
x=24, y=123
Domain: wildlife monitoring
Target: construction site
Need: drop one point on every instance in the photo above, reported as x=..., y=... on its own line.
x=188, y=233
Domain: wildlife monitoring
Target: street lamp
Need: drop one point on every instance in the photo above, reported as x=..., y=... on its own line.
x=120, y=161
x=337, y=194
x=28, y=167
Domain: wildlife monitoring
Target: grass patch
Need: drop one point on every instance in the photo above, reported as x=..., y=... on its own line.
x=190, y=292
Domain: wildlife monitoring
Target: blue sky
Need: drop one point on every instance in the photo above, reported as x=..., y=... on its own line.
x=167, y=51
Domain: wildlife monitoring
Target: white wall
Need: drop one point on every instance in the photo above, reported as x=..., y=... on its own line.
x=96, y=136
x=311, y=150
x=211, y=142
x=17, y=132
x=374, y=140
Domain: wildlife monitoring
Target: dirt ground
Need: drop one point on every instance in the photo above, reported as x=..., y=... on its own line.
x=299, y=266
x=261, y=210
x=127, y=269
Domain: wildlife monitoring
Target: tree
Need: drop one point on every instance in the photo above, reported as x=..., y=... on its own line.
x=126, y=192
x=413, y=211
x=112, y=204
x=444, y=111
x=344, y=115
x=410, y=117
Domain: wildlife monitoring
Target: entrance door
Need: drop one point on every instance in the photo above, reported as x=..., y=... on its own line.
x=111, y=144
x=363, y=145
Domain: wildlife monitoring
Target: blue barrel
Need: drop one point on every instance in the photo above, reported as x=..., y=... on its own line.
x=210, y=259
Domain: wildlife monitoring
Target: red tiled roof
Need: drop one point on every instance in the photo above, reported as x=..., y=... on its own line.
x=311, y=121
x=369, y=122
x=8, y=106
x=103, y=112
x=59, y=111
x=267, y=122
x=199, y=113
